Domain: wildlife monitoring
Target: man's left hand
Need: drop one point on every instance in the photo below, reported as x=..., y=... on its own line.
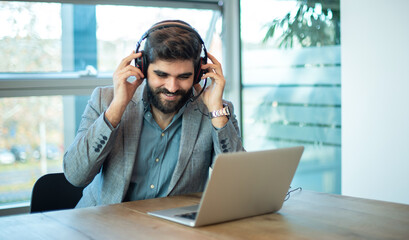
x=213, y=94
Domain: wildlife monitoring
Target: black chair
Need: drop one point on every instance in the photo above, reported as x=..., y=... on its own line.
x=53, y=192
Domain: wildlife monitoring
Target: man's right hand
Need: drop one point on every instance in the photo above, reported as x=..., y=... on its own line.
x=123, y=90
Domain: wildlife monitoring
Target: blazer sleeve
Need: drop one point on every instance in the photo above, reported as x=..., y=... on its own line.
x=228, y=138
x=93, y=142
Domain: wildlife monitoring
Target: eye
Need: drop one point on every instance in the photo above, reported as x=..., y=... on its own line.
x=161, y=75
x=185, y=76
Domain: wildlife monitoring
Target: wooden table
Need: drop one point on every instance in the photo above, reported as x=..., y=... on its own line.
x=306, y=215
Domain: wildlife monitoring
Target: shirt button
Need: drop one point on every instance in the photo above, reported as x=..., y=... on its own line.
x=157, y=160
x=163, y=134
x=152, y=186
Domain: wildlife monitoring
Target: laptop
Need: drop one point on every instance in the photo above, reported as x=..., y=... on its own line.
x=242, y=184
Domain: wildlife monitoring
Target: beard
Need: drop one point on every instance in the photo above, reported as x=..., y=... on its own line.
x=167, y=106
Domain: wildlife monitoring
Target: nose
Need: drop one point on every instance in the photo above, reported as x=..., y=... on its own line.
x=172, y=84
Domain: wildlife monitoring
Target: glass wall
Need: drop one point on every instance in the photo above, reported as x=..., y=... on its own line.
x=48, y=46
x=291, y=78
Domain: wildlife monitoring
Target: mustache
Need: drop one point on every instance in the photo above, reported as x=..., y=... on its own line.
x=165, y=91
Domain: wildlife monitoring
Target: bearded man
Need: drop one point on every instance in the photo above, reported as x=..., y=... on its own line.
x=155, y=135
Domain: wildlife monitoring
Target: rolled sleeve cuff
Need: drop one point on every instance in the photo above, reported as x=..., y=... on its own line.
x=109, y=123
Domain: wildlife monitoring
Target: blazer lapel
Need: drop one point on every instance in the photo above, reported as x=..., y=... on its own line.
x=190, y=129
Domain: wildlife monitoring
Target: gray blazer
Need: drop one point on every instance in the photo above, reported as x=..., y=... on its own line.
x=102, y=158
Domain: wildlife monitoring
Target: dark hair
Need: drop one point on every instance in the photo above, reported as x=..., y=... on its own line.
x=173, y=43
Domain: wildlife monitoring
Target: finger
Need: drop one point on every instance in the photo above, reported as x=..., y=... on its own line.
x=129, y=68
x=128, y=59
x=209, y=65
x=213, y=59
x=137, y=82
x=133, y=78
x=213, y=67
x=137, y=71
x=212, y=75
x=124, y=76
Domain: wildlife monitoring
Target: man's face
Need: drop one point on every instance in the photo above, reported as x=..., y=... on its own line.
x=170, y=84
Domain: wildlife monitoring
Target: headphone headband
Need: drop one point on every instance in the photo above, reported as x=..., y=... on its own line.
x=169, y=24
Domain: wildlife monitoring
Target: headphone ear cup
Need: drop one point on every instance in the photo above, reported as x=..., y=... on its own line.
x=199, y=71
x=142, y=63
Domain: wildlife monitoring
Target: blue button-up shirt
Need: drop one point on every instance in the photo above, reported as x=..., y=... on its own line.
x=156, y=158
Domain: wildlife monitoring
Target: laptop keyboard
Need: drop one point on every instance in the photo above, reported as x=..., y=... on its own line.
x=191, y=215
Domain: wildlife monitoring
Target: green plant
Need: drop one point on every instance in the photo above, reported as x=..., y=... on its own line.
x=315, y=23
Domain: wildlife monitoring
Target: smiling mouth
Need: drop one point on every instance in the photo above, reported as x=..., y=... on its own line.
x=170, y=96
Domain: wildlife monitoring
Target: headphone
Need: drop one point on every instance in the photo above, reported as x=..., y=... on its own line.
x=142, y=62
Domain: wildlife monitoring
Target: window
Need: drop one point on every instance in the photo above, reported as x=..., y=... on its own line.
x=56, y=54
x=31, y=143
x=291, y=82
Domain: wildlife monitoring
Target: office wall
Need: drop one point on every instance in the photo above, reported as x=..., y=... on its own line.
x=375, y=99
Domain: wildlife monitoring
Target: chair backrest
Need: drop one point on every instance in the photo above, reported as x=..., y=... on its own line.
x=53, y=192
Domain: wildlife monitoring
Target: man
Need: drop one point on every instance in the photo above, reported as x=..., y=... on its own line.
x=151, y=138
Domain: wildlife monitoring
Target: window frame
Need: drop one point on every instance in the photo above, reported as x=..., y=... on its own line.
x=47, y=84
x=196, y=4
